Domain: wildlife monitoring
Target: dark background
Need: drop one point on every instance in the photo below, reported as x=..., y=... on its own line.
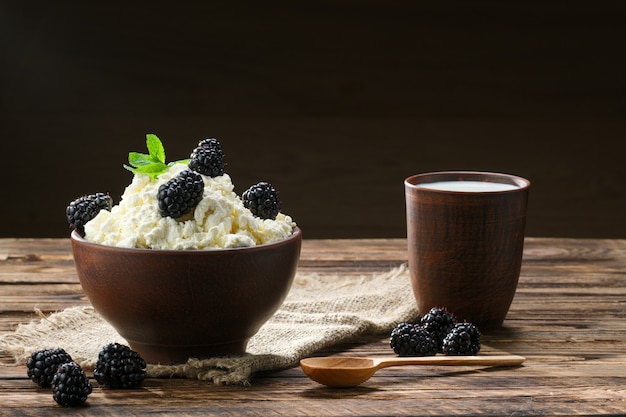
x=334, y=102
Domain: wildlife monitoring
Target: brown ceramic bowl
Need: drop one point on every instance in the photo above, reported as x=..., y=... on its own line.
x=172, y=305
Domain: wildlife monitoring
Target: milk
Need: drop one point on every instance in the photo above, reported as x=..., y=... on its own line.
x=468, y=186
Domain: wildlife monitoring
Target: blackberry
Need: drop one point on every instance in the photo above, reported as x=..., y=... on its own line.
x=412, y=340
x=262, y=200
x=70, y=386
x=180, y=194
x=463, y=339
x=207, y=158
x=119, y=367
x=211, y=143
x=43, y=364
x=85, y=208
x=438, y=321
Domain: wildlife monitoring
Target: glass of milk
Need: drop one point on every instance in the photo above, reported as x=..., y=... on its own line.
x=465, y=236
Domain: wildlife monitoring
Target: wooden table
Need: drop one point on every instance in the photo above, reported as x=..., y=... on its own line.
x=568, y=319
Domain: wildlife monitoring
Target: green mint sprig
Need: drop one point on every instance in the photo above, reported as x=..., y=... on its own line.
x=152, y=163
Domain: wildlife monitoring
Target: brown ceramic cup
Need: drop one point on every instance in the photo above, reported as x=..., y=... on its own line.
x=465, y=233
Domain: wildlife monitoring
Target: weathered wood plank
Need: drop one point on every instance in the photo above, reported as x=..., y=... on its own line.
x=567, y=318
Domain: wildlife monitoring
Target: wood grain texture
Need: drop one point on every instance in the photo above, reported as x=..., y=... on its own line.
x=568, y=319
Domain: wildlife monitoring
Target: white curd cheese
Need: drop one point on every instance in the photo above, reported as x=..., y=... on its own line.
x=220, y=220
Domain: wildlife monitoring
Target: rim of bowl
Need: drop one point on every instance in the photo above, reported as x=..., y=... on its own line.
x=295, y=235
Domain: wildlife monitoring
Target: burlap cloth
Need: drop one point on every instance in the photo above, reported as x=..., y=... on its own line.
x=319, y=312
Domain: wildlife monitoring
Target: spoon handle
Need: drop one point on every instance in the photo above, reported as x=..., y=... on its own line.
x=486, y=360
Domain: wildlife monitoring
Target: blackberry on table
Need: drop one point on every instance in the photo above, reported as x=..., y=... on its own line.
x=119, y=367
x=463, y=339
x=207, y=158
x=438, y=321
x=85, y=208
x=181, y=194
x=43, y=364
x=70, y=386
x=262, y=200
x=412, y=340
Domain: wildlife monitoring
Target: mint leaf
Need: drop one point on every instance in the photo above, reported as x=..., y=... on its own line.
x=153, y=163
x=156, y=167
x=182, y=161
x=155, y=147
x=137, y=159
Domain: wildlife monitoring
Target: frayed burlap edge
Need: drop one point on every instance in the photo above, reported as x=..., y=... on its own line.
x=319, y=312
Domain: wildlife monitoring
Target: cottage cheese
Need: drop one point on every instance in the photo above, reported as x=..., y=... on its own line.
x=220, y=220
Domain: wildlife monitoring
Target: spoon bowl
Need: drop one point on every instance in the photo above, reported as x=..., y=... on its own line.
x=342, y=372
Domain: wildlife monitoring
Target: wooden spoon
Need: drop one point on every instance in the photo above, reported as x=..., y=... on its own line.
x=340, y=371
